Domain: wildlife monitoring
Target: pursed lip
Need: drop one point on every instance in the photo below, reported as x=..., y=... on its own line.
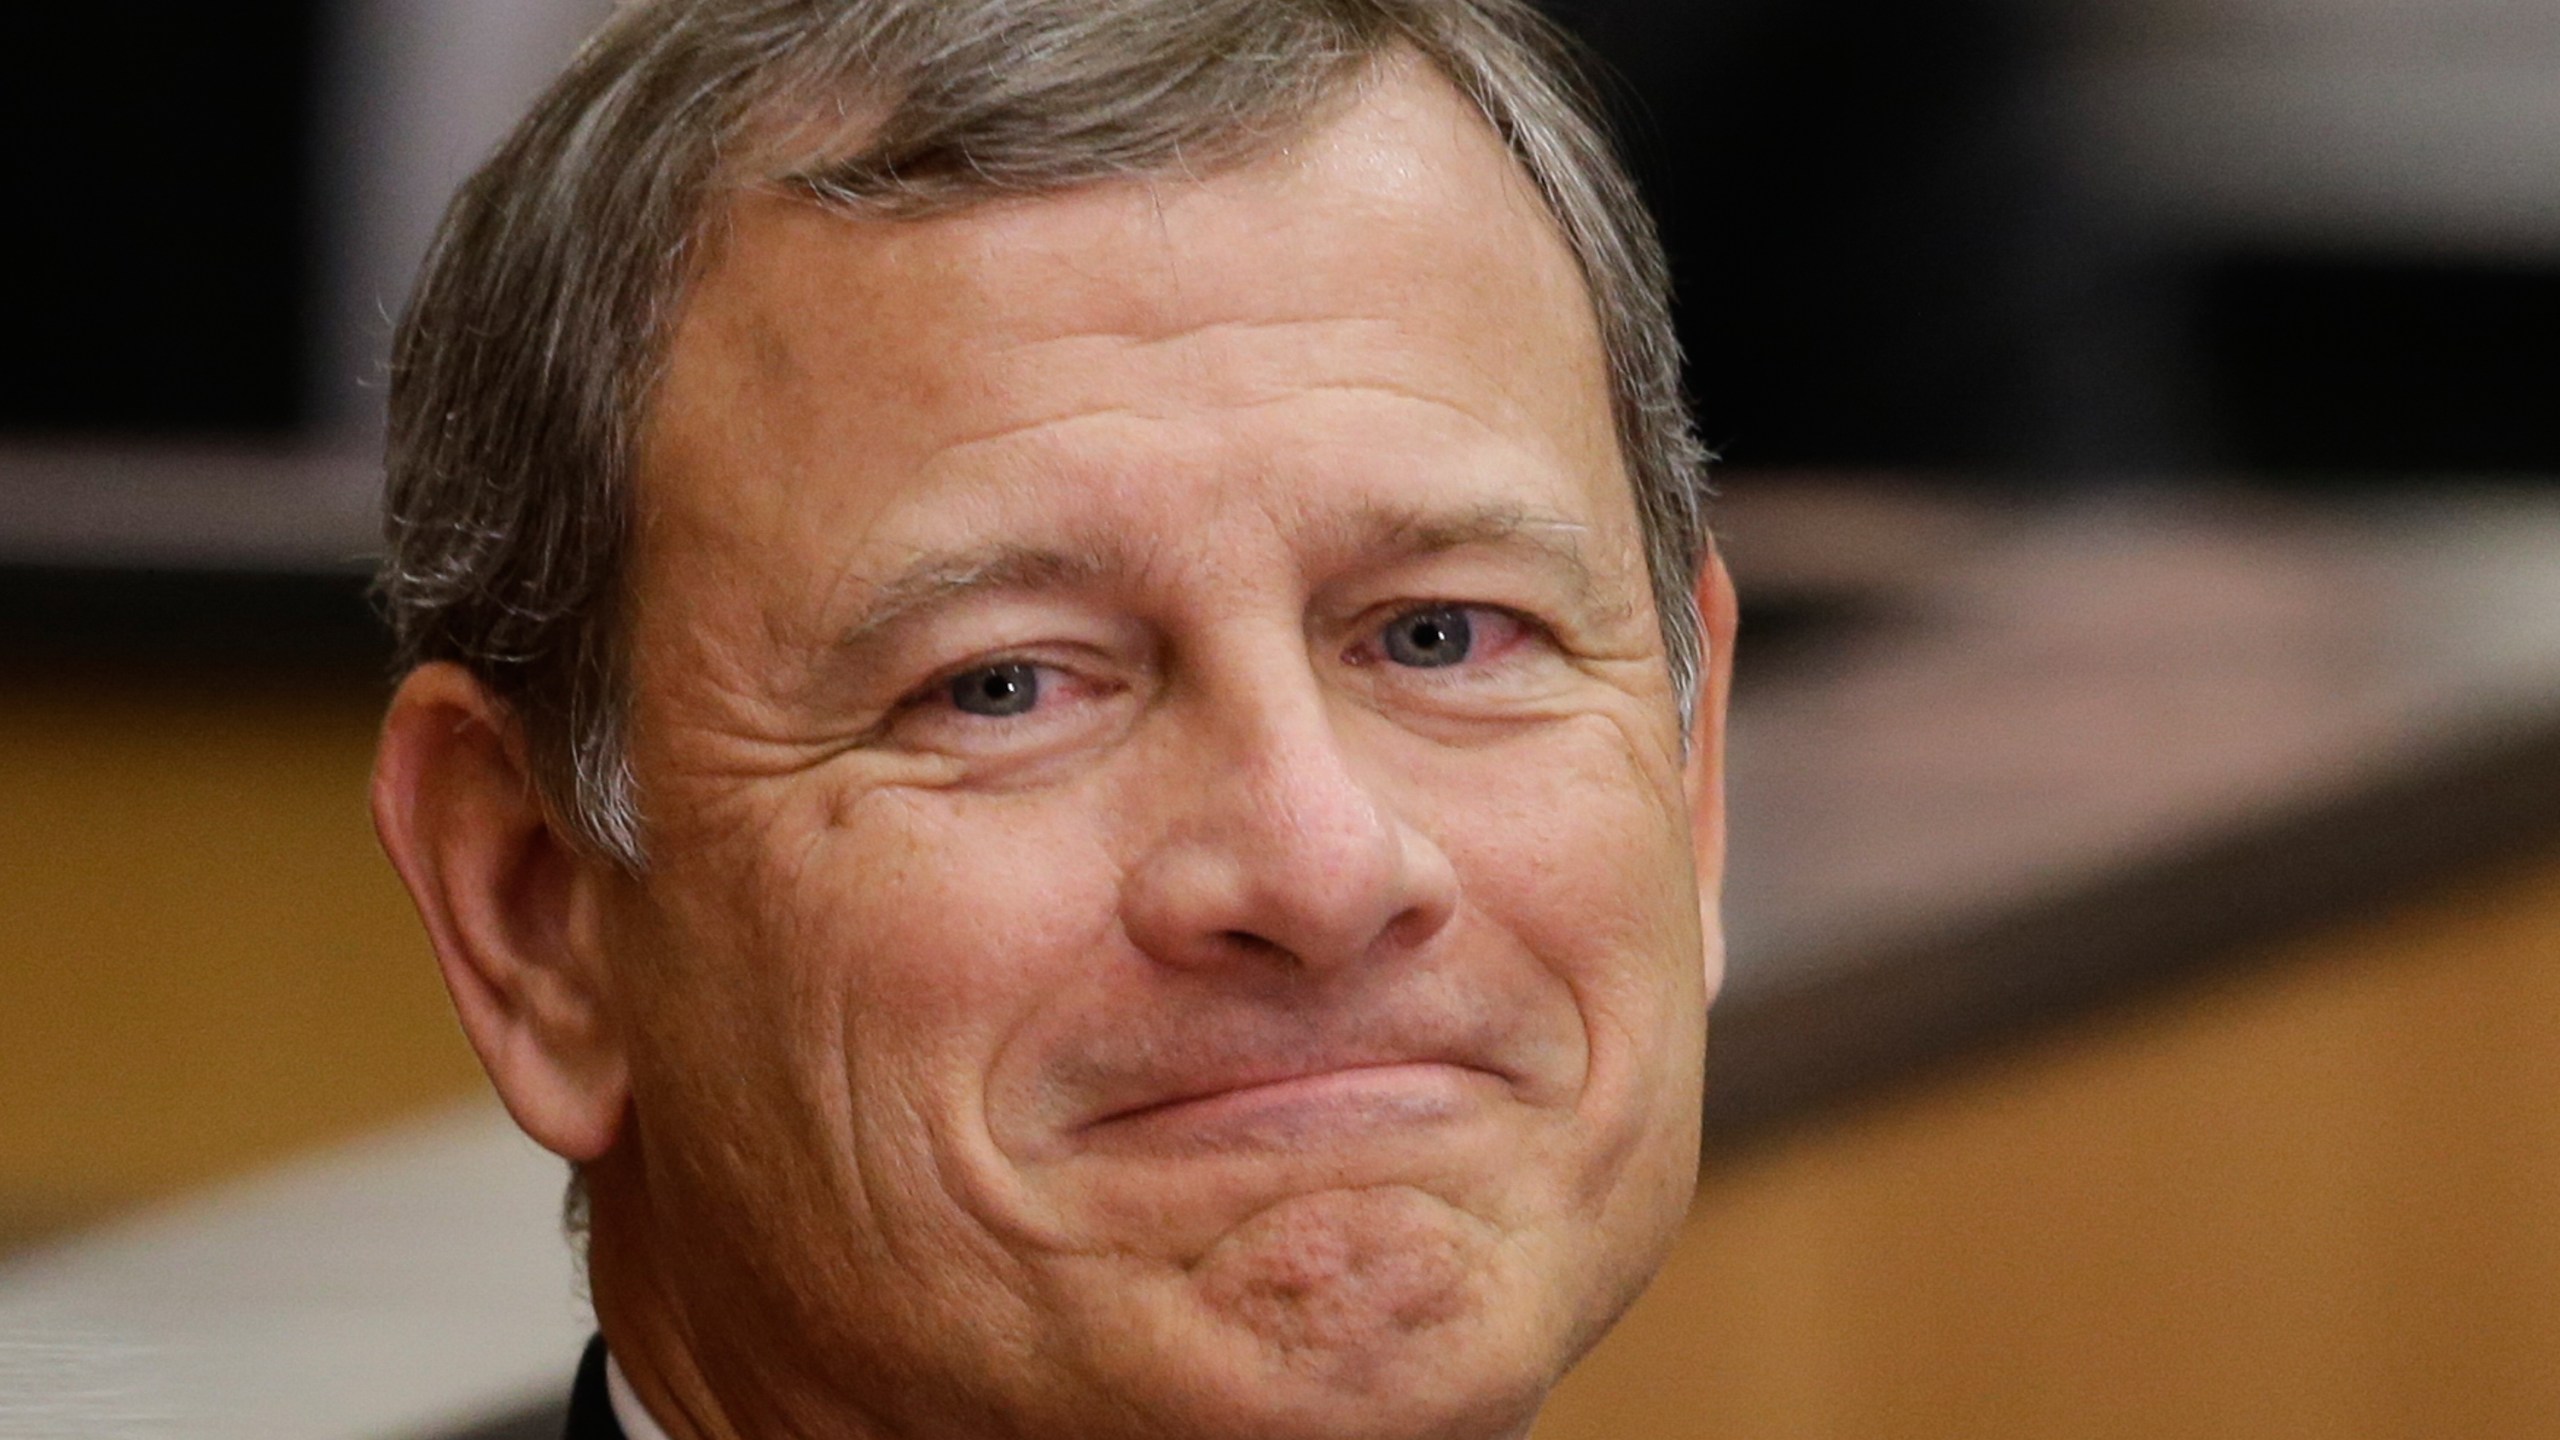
x=1228, y=1075
x=1312, y=1084
x=1281, y=1100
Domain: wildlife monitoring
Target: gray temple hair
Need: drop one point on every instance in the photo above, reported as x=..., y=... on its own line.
x=523, y=369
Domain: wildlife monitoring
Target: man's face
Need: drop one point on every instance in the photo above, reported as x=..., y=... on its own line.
x=1172, y=901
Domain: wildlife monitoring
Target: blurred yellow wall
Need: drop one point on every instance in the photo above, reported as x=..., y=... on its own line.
x=2317, y=1198
x=206, y=963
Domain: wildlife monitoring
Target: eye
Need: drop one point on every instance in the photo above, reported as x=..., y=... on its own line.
x=1432, y=639
x=997, y=692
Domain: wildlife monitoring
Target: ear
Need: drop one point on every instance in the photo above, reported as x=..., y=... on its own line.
x=1721, y=613
x=511, y=905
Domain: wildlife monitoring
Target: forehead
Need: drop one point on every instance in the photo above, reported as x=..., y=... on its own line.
x=1396, y=250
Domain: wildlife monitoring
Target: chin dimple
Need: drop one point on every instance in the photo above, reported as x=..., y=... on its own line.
x=1327, y=1277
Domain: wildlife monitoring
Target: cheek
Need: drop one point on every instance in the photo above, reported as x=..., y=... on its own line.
x=925, y=920
x=824, y=1005
x=1580, y=854
x=1579, y=848
x=879, y=946
x=950, y=926
x=957, y=915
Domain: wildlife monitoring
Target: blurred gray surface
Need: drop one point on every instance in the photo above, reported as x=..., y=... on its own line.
x=2417, y=124
x=2077, y=747
x=412, y=1284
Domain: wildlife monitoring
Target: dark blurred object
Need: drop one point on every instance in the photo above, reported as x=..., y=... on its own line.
x=2000, y=237
x=1849, y=191
x=2365, y=367
x=190, y=628
x=217, y=209
x=156, y=266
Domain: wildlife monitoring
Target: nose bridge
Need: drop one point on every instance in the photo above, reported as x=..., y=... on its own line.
x=1303, y=798
x=1283, y=841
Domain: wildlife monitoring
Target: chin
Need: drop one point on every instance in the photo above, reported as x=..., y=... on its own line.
x=1380, y=1313
x=1470, y=1410
x=1467, y=1382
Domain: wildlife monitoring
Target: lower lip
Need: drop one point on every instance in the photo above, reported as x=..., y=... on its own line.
x=1305, y=1111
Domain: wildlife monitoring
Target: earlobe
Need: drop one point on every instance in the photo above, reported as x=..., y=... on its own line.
x=511, y=906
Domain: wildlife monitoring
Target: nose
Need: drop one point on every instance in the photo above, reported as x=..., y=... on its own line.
x=1276, y=852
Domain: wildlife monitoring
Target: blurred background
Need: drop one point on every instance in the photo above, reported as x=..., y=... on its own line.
x=2139, y=422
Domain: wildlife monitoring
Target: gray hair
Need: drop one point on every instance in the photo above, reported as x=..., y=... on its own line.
x=523, y=369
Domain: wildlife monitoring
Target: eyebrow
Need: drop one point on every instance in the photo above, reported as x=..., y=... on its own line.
x=938, y=579
x=1410, y=534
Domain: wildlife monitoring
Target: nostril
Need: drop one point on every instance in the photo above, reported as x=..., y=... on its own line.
x=1254, y=946
x=1416, y=925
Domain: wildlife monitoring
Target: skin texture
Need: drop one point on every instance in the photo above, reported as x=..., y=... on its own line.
x=1261, y=1034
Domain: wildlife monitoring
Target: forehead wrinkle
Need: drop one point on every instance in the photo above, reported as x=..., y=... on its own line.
x=1127, y=339
x=1134, y=337
x=1017, y=429
x=1278, y=391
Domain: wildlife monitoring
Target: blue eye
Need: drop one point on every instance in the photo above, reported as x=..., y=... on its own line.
x=1433, y=639
x=997, y=691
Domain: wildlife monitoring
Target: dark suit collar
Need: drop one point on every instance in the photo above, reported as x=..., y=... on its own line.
x=590, y=1406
